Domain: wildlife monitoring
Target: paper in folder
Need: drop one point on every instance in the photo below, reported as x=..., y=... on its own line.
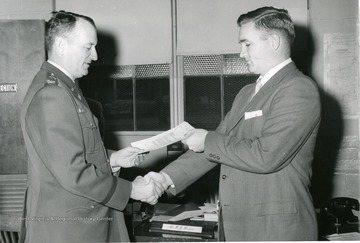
x=184, y=228
x=164, y=139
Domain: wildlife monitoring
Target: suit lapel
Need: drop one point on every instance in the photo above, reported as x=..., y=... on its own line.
x=269, y=86
x=273, y=82
x=237, y=112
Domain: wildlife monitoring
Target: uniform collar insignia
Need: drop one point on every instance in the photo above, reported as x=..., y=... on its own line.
x=52, y=79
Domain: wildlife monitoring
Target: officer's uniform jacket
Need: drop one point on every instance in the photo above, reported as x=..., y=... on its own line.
x=265, y=150
x=72, y=195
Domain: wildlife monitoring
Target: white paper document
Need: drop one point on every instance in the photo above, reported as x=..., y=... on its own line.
x=352, y=236
x=192, y=214
x=164, y=139
x=209, y=207
x=186, y=215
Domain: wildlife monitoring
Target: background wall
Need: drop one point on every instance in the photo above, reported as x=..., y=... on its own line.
x=334, y=65
x=26, y=9
x=130, y=32
x=209, y=27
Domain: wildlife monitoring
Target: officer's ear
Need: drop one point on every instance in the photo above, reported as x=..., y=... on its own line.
x=60, y=45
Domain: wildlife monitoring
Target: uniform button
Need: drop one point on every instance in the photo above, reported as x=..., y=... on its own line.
x=72, y=89
x=211, y=155
x=223, y=177
x=218, y=157
x=92, y=206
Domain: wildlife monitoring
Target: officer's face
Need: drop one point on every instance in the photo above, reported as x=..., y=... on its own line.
x=255, y=48
x=80, y=51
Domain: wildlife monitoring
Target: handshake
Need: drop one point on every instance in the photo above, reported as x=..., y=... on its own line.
x=150, y=187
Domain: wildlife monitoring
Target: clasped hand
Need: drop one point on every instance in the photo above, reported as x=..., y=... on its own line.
x=149, y=188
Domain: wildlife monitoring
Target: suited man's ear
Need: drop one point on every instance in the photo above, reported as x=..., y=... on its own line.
x=275, y=41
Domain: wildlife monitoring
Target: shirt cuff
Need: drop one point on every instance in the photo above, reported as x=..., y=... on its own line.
x=169, y=182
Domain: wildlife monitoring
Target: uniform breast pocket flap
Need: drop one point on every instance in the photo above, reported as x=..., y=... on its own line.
x=90, y=131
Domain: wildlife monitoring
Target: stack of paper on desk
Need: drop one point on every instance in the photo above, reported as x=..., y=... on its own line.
x=210, y=213
x=208, y=209
x=176, y=221
x=344, y=237
x=163, y=139
x=211, y=216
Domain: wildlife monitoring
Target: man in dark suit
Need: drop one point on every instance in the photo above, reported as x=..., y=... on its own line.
x=265, y=143
x=72, y=194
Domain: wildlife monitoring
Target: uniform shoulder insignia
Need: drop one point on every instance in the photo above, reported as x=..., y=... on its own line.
x=52, y=79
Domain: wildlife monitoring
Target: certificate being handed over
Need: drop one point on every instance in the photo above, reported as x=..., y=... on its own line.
x=164, y=139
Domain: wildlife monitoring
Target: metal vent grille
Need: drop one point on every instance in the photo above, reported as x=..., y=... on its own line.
x=112, y=72
x=202, y=65
x=121, y=72
x=153, y=70
x=12, y=192
x=214, y=64
x=116, y=72
x=234, y=64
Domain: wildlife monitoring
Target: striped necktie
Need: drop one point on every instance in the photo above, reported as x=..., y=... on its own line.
x=257, y=86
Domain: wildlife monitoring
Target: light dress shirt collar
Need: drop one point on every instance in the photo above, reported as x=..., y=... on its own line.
x=61, y=68
x=273, y=71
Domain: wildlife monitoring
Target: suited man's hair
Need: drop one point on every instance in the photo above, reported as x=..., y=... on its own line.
x=60, y=24
x=270, y=19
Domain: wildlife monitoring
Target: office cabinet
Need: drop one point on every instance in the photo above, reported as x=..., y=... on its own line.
x=22, y=50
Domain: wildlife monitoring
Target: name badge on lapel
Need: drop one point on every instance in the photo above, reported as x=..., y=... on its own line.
x=252, y=114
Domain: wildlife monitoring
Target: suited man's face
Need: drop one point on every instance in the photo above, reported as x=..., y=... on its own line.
x=255, y=48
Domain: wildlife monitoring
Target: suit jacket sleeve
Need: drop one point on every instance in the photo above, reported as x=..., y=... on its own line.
x=191, y=166
x=292, y=114
x=53, y=125
x=188, y=168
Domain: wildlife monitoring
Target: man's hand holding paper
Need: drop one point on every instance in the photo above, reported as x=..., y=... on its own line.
x=127, y=157
x=195, y=140
x=164, y=139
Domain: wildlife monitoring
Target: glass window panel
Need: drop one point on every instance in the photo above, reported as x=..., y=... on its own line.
x=117, y=100
x=232, y=85
x=113, y=87
x=203, y=101
x=152, y=104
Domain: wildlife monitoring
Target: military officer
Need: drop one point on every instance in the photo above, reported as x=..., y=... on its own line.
x=72, y=194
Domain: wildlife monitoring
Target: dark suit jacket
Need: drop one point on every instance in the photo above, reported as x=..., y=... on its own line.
x=265, y=160
x=72, y=195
